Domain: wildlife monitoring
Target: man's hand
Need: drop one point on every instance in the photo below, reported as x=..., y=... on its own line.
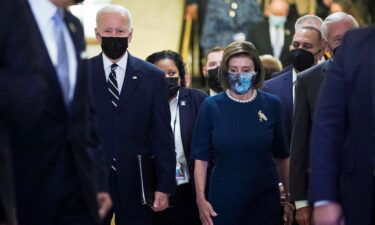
x=288, y=213
x=303, y=215
x=329, y=214
x=105, y=204
x=161, y=201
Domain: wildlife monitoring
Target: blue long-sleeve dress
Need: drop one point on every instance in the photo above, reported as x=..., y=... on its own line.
x=243, y=185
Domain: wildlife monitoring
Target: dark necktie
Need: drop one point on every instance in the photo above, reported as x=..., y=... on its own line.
x=115, y=97
x=113, y=87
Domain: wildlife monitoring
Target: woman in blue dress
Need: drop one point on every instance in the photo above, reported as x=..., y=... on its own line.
x=241, y=130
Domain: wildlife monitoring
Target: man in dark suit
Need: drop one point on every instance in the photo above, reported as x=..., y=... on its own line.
x=47, y=118
x=306, y=50
x=342, y=140
x=11, y=15
x=131, y=101
x=274, y=35
x=308, y=85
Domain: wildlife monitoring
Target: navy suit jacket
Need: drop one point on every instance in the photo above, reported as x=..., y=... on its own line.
x=343, y=138
x=190, y=101
x=47, y=139
x=140, y=125
x=282, y=86
x=12, y=44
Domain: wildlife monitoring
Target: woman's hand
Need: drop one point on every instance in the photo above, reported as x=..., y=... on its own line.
x=205, y=211
x=288, y=213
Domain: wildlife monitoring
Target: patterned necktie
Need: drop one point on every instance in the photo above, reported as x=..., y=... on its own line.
x=62, y=66
x=114, y=96
x=113, y=87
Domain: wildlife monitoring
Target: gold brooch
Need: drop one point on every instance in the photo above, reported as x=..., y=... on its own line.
x=262, y=117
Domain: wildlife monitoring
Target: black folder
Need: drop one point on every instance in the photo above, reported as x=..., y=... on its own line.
x=146, y=167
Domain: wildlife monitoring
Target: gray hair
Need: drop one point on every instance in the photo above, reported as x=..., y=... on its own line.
x=114, y=9
x=308, y=20
x=336, y=18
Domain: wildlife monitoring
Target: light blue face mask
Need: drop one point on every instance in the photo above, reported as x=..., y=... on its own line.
x=241, y=83
x=277, y=21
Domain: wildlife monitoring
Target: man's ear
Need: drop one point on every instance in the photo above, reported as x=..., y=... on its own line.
x=204, y=70
x=130, y=35
x=97, y=36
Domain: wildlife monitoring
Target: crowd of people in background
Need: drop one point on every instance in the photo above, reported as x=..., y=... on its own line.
x=283, y=133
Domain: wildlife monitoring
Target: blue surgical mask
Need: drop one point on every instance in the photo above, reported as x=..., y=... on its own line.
x=277, y=21
x=240, y=83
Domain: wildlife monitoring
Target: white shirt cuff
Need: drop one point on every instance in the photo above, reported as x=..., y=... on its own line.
x=301, y=204
x=321, y=203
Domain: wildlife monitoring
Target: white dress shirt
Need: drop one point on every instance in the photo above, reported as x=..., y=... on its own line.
x=294, y=82
x=120, y=70
x=43, y=11
x=212, y=92
x=180, y=154
x=277, y=45
x=301, y=203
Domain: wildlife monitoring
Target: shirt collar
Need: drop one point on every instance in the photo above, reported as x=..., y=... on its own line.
x=294, y=75
x=43, y=10
x=175, y=98
x=121, y=63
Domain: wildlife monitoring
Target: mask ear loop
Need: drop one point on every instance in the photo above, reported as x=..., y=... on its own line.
x=255, y=75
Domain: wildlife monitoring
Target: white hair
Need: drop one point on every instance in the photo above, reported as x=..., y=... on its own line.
x=114, y=9
x=308, y=20
x=336, y=18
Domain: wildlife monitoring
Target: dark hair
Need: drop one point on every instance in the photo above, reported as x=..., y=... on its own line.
x=211, y=50
x=238, y=48
x=175, y=57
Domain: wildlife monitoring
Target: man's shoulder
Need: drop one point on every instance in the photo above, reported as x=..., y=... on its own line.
x=280, y=78
x=147, y=69
x=313, y=71
x=357, y=36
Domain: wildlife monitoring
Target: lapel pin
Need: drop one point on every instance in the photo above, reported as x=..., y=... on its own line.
x=287, y=32
x=134, y=77
x=183, y=103
x=262, y=117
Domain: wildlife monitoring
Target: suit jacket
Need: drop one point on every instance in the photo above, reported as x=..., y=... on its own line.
x=260, y=36
x=282, y=86
x=307, y=92
x=11, y=15
x=190, y=101
x=342, y=141
x=140, y=125
x=7, y=207
x=47, y=139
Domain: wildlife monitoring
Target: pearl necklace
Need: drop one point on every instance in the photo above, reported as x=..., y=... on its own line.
x=242, y=101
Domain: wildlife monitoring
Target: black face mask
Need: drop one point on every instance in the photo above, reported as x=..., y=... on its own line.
x=173, y=86
x=114, y=47
x=302, y=59
x=334, y=51
x=213, y=80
